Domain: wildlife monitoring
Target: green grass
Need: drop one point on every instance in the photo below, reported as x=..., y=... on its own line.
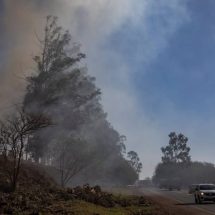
x=79, y=207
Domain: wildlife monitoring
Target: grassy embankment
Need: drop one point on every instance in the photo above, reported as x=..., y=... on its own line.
x=38, y=194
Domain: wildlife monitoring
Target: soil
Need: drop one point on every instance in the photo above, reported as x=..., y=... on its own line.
x=172, y=207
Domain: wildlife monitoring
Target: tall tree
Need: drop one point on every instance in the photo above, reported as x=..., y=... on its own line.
x=177, y=150
x=62, y=89
x=134, y=161
x=175, y=161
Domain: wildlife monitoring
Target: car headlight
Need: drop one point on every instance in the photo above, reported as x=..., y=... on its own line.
x=202, y=194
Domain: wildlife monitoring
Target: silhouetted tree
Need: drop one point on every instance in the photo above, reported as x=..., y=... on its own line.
x=194, y=173
x=134, y=161
x=177, y=150
x=72, y=157
x=62, y=89
x=175, y=160
x=13, y=139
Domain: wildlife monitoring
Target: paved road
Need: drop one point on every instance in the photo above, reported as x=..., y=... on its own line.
x=182, y=198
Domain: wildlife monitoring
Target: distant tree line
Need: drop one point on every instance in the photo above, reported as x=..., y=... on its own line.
x=81, y=145
x=177, y=164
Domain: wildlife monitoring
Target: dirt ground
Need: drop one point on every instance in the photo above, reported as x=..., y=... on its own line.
x=162, y=205
x=171, y=207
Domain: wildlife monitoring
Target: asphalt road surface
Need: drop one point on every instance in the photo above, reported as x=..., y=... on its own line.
x=181, y=198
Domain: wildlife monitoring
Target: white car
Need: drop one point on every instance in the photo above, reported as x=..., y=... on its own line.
x=204, y=192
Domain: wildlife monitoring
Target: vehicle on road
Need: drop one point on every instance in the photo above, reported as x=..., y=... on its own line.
x=204, y=192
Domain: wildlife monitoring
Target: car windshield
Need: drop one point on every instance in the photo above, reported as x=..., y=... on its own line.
x=207, y=187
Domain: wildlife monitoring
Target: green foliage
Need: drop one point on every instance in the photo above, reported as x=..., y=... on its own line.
x=79, y=207
x=177, y=150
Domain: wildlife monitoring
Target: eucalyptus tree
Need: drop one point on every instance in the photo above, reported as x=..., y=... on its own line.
x=62, y=89
x=177, y=150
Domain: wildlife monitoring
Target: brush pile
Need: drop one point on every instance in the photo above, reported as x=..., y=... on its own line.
x=37, y=194
x=97, y=196
x=38, y=199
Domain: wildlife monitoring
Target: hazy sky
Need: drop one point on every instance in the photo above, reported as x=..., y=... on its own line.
x=153, y=60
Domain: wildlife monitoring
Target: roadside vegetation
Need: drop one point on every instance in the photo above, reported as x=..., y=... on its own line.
x=61, y=123
x=59, y=137
x=37, y=193
x=178, y=168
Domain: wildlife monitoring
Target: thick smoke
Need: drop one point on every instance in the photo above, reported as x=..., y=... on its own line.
x=19, y=22
x=91, y=23
x=23, y=21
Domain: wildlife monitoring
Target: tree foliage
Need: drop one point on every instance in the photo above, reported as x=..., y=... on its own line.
x=195, y=173
x=62, y=89
x=175, y=160
x=177, y=150
x=134, y=161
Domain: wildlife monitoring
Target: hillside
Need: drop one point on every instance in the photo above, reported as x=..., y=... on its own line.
x=37, y=193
